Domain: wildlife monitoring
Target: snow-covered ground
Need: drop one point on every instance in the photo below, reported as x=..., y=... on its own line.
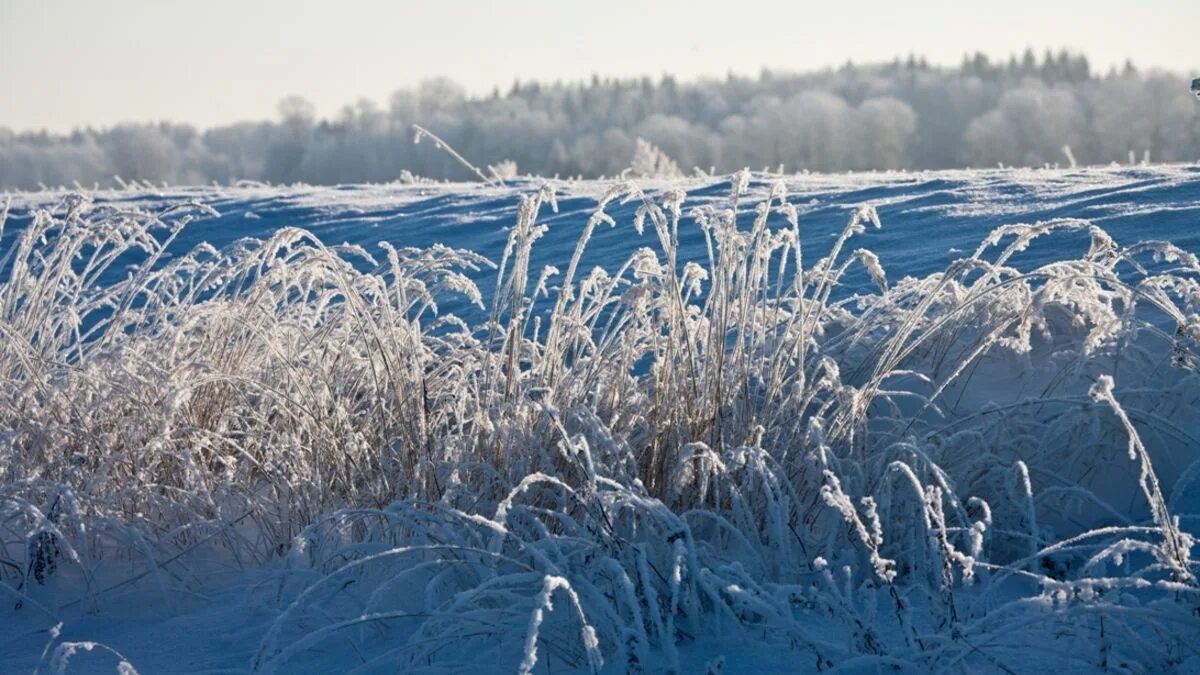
x=932, y=217
x=275, y=457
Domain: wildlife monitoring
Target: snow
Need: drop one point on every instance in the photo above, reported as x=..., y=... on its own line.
x=982, y=465
x=929, y=213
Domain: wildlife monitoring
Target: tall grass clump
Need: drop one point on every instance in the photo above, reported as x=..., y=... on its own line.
x=615, y=463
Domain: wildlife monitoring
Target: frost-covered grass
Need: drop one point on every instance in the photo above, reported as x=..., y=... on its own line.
x=988, y=468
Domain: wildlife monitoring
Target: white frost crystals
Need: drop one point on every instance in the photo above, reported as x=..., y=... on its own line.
x=608, y=468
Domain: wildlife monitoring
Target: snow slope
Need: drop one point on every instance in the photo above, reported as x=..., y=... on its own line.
x=218, y=612
x=932, y=217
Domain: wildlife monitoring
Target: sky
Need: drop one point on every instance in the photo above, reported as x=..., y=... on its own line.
x=72, y=63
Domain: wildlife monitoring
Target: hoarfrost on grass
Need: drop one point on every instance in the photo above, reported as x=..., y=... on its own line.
x=938, y=474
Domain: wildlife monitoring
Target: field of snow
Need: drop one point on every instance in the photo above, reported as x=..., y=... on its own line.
x=605, y=427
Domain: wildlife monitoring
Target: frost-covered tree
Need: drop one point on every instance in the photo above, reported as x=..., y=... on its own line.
x=885, y=129
x=902, y=114
x=1028, y=128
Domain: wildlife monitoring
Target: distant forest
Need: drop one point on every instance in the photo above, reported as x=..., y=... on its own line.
x=1025, y=111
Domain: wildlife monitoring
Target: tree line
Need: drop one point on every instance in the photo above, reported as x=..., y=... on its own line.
x=1023, y=111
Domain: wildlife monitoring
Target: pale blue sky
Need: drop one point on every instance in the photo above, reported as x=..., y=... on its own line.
x=65, y=63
